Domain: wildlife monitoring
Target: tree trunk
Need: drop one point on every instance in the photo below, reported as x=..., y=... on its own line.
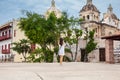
x=24, y=56
x=86, y=57
x=76, y=50
x=71, y=54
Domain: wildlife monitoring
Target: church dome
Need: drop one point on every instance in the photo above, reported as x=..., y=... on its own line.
x=113, y=16
x=53, y=9
x=89, y=7
x=110, y=12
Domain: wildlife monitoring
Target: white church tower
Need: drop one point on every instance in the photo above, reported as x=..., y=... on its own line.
x=110, y=18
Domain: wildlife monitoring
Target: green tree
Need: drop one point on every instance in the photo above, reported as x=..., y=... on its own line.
x=91, y=45
x=44, y=32
x=73, y=36
x=22, y=47
x=36, y=56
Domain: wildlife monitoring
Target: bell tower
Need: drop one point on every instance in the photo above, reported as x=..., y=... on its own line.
x=89, y=12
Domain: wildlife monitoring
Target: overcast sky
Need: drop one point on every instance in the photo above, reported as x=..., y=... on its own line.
x=11, y=9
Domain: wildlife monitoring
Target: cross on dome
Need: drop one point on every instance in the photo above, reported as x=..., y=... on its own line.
x=89, y=1
x=53, y=3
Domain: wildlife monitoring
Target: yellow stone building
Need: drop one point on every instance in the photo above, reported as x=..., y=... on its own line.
x=109, y=25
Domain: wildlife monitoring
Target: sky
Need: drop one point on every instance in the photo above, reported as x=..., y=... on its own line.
x=11, y=9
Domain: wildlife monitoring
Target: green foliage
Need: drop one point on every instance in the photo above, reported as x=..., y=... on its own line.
x=36, y=56
x=32, y=25
x=73, y=34
x=56, y=49
x=31, y=58
x=69, y=33
x=41, y=55
x=22, y=47
x=91, y=45
x=49, y=56
x=44, y=31
x=17, y=47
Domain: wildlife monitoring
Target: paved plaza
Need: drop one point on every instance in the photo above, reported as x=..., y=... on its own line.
x=54, y=71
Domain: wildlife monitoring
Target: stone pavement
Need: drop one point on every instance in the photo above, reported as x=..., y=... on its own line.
x=54, y=71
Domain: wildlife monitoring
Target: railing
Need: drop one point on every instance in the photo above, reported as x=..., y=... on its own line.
x=5, y=37
x=6, y=51
x=6, y=57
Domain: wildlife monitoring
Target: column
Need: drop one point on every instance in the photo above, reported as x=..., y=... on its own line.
x=109, y=51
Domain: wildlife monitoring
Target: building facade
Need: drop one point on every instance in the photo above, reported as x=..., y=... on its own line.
x=109, y=25
x=10, y=33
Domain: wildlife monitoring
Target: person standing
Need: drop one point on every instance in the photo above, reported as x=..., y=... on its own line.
x=61, y=51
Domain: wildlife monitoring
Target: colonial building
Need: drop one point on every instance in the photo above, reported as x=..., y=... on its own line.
x=109, y=25
x=10, y=33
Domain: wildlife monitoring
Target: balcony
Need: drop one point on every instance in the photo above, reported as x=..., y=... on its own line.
x=6, y=51
x=5, y=37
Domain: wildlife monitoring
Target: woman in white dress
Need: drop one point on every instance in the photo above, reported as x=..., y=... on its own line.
x=61, y=51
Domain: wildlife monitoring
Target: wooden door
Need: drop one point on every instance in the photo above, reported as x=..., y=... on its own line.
x=102, y=54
